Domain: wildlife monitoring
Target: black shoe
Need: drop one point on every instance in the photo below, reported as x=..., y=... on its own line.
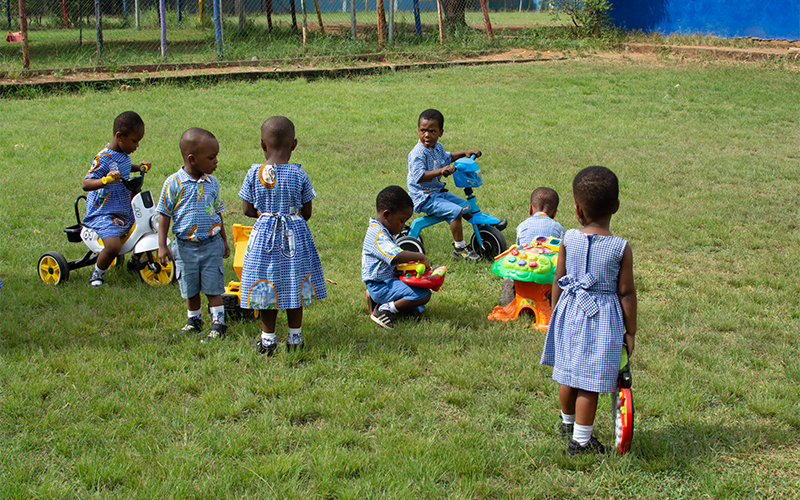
x=295, y=347
x=95, y=281
x=465, y=253
x=593, y=446
x=193, y=327
x=262, y=348
x=566, y=431
x=217, y=332
x=384, y=319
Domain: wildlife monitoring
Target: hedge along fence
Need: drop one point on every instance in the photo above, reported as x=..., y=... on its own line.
x=70, y=34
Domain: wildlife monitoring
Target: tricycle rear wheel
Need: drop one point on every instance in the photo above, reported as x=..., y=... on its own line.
x=152, y=272
x=494, y=243
x=53, y=268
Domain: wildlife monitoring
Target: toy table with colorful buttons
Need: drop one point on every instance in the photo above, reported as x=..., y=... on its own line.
x=532, y=267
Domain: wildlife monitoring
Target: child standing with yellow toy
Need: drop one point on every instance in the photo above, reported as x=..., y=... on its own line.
x=594, y=308
x=281, y=268
x=108, y=204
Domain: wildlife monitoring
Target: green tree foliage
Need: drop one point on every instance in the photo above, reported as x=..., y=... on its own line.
x=588, y=16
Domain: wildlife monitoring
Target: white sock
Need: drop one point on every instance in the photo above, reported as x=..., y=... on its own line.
x=460, y=244
x=196, y=314
x=101, y=273
x=268, y=338
x=582, y=433
x=295, y=336
x=217, y=314
x=389, y=306
x=567, y=419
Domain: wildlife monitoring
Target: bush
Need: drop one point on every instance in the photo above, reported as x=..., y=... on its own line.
x=590, y=17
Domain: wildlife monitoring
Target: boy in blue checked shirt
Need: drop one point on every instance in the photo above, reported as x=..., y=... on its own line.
x=108, y=204
x=427, y=163
x=380, y=255
x=191, y=198
x=542, y=211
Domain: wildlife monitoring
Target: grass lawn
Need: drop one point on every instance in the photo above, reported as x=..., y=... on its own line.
x=98, y=401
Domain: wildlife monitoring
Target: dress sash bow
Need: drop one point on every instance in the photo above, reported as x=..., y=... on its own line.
x=569, y=284
x=280, y=225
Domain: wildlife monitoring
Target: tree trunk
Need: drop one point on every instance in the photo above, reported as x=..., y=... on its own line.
x=454, y=13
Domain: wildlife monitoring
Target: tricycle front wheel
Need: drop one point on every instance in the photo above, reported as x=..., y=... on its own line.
x=53, y=268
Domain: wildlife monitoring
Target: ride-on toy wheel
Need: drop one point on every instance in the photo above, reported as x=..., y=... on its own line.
x=494, y=243
x=411, y=244
x=53, y=268
x=152, y=272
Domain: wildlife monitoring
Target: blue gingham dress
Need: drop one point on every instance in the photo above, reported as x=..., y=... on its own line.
x=585, y=336
x=281, y=268
x=108, y=209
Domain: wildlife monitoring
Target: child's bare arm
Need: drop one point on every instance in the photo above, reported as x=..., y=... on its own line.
x=90, y=184
x=627, y=297
x=465, y=154
x=249, y=210
x=227, y=252
x=164, y=254
x=141, y=167
x=406, y=256
x=306, y=211
x=561, y=270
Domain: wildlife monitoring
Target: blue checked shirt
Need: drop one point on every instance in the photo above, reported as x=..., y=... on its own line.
x=538, y=225
x=421, y=160
x=377, y=253
x=193, y=205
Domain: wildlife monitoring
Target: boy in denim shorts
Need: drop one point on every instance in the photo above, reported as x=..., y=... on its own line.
x=191, y=198
x=380, y=255
x=427, y=163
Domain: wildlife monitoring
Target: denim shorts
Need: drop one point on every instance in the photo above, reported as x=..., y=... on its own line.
x=444, y=204
x=384, y=292
x=199, y=266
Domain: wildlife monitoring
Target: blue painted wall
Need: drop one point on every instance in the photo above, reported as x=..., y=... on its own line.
x=772, y=19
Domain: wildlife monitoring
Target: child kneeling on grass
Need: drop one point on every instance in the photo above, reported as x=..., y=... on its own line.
x=380, y=254
x=191, y=198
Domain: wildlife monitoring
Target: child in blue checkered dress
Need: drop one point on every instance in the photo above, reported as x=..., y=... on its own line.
x=108, y=204
x=191, y=199
x=281, y=268
x=427, y=163
x=594, y=308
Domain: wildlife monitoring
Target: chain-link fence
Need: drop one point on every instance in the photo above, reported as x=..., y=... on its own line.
x=70, y=34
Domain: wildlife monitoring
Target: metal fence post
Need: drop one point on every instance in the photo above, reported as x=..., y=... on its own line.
x=353, y=18
x=162, y=15
x=218, y=25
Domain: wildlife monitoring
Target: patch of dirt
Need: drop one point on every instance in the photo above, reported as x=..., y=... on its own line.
x=772, y=50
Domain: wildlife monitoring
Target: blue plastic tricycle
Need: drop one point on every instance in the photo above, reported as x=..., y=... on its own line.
x=487, y=238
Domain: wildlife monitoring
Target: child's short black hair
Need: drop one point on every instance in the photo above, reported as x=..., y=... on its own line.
x=192, y=138
x=596, y=191
x=394, y=199
x=127, y=123
x=544, y=197
x=277, y=131
x=432, y=114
